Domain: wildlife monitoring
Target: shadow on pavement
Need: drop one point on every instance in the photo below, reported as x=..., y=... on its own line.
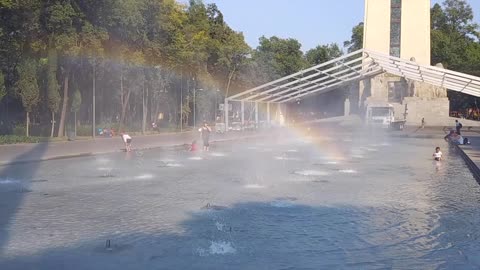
x=15, y=181
x=271, y=235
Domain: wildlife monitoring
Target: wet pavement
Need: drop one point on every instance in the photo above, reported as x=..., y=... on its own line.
x=17, y=153
x=293, y=201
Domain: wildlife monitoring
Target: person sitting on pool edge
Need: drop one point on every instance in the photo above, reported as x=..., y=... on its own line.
x=438, y=154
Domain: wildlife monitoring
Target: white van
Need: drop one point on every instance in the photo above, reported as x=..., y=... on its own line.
x=380, y=115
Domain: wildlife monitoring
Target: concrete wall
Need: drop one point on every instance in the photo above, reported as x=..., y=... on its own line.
x=416, y=30
x=435, y=111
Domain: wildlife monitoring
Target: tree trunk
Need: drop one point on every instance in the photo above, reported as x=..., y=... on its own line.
x=144, y=115
x=75, y=118
x=230, y=76
x=61, y=126
x=94, y=102
x=124, y=108
x=28, y=124
x=53, y=124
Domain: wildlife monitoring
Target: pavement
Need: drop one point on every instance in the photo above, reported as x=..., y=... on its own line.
x=20, y=153
x=471, y=153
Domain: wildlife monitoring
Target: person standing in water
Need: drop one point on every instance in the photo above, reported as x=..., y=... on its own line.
x=127, y=140
x=438, y=154
x=205, y=131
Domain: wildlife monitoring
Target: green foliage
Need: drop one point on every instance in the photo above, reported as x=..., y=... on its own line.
x=19, y=130
x=76, y=101
x=284, y=56
x=322, y=54
x=356, y=41
x=455, y=36
x=84, y=130
x=27, y=85
x=15, y=139
x=6, y=3
x=53, y=95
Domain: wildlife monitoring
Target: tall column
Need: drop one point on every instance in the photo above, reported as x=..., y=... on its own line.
x=346, y=107
x=268, y=113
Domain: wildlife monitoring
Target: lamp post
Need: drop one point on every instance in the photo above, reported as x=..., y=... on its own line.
x=94, y=129
x=195, y=106
x=215, y=111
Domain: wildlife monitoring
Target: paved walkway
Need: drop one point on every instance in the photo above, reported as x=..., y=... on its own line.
x=471, y=153
x=45, y=151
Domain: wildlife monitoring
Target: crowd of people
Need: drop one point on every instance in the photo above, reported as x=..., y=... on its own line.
x=472, y=113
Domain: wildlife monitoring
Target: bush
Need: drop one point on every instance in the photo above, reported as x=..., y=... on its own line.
x=12, y=139
x=19, y=130
x=84, y=130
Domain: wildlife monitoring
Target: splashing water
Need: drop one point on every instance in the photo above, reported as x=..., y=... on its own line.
x=219, y=226
x=331, y=162
x=103, y=160
x=221, y=248
x=311, y=173
x=214, y=154
x=144, y=176
x=173, y=165
x=166, y=160
x=195, y=158
x=350, y=171
x=8, y=182
x=281, y=204
x=369, y=149
x=287, y=158
x=254, y=186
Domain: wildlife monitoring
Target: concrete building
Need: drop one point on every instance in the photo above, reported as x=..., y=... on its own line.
x=401, y=28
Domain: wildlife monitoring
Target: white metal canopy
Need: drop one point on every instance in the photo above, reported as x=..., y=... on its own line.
x=355, y=66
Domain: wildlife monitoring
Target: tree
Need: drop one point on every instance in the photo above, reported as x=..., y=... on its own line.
x=27, y=88
x=3, y=90
x=76, y=103
x=356, y=41
x=322, y=54
x=454, y=35
x=53, y=96
x=279, y=57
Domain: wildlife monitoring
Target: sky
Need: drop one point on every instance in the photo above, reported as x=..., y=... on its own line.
x=312, y=22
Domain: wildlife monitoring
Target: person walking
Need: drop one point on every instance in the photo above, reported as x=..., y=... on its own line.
x=205, y=131
x=458, y=127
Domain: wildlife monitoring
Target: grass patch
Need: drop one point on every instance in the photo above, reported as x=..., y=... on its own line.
x=16, y=139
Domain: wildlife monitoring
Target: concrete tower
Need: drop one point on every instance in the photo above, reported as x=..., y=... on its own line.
x=399, y=28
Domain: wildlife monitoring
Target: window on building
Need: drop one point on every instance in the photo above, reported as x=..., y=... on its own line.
x=395, y=91
x=395, y=27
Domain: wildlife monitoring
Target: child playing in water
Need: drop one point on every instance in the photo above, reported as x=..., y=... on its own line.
x=438, y=154
x=193, y=147
x=128, y=142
